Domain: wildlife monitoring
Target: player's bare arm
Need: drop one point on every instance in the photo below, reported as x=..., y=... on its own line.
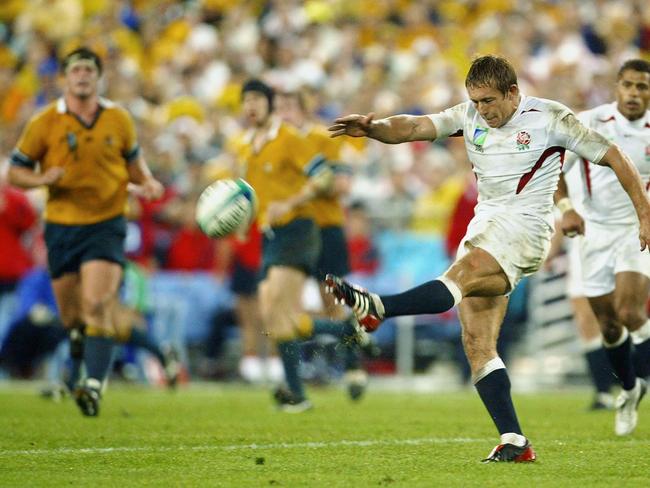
x=391, y=130
x=315, y=186
x=27, y=178
x=140, y=175
x=630, y=179
x=572, y=222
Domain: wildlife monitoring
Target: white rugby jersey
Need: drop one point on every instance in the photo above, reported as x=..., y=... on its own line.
x=518, y=165
x=602, y=197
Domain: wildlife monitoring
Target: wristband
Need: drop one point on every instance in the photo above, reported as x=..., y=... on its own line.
x=564, y=205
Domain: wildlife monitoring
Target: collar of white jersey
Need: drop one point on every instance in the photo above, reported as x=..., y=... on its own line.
x=62, y=108
x=271, y=134
x=637, y=124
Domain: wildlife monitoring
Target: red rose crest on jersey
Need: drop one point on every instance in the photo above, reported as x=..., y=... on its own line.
x=523, y=140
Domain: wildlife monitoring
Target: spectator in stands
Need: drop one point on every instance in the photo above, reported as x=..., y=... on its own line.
x=461, y=215
x=364, y=256
x=189, y=249
x=17, y=218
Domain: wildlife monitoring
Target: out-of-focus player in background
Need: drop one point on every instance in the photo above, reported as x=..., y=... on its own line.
x=598, y=365
x=329, y=215
x=615, y=273
x=516, y=145
x=84, y=149
x=287, y=175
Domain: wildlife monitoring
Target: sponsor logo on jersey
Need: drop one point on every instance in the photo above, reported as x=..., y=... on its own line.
x=523, y=140
x=71, y=139
x=647, y=153
x=480, y=133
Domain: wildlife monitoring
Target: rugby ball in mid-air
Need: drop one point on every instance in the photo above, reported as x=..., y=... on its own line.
x=226, y=206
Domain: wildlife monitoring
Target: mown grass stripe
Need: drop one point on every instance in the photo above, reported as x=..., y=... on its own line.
x=237, y=447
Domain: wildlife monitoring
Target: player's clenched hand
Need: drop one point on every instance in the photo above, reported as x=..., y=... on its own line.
x=354, y=125
x=52, y=175
x=151, y=189
x=572, y=223
x=276, y=210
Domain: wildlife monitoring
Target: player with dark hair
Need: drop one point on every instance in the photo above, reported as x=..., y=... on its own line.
x=615, y=274
x=84, y=149
x=516, y=145
x=287, y=175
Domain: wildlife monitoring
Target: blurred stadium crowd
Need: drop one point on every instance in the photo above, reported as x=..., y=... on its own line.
x=178, y=68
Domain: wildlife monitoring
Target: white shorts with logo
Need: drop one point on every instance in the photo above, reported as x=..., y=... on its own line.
x=607, y=250
x=574, y=268
x=519, y=242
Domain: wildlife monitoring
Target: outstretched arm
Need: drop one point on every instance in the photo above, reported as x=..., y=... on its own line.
x=391, y=130
x=631, y=182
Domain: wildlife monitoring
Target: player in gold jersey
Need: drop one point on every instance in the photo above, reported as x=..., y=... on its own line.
x=287, y=175
x=84, y=149
x=329, y=215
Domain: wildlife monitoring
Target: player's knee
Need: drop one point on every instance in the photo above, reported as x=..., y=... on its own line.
x=630, y=316
x=281, y=332
x=273, y=293
x=95, y=306
x=460, y=273
x=466, y=273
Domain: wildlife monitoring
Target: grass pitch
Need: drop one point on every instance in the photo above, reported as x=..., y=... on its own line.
x=231, y=436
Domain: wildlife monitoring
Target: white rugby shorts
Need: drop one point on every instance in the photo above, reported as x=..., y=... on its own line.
x=519, y=242
x=607, y=250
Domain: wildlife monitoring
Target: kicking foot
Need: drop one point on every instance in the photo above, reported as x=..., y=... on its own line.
x=366, y=306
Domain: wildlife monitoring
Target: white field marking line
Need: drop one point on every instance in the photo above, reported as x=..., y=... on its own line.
x=243, y=447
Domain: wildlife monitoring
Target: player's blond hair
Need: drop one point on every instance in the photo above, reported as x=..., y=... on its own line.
x=491, y=71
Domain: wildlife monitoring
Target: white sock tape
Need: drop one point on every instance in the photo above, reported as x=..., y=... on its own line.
x=592, y=344
x=491, y=365
x=642, y=334
x=452, y=287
